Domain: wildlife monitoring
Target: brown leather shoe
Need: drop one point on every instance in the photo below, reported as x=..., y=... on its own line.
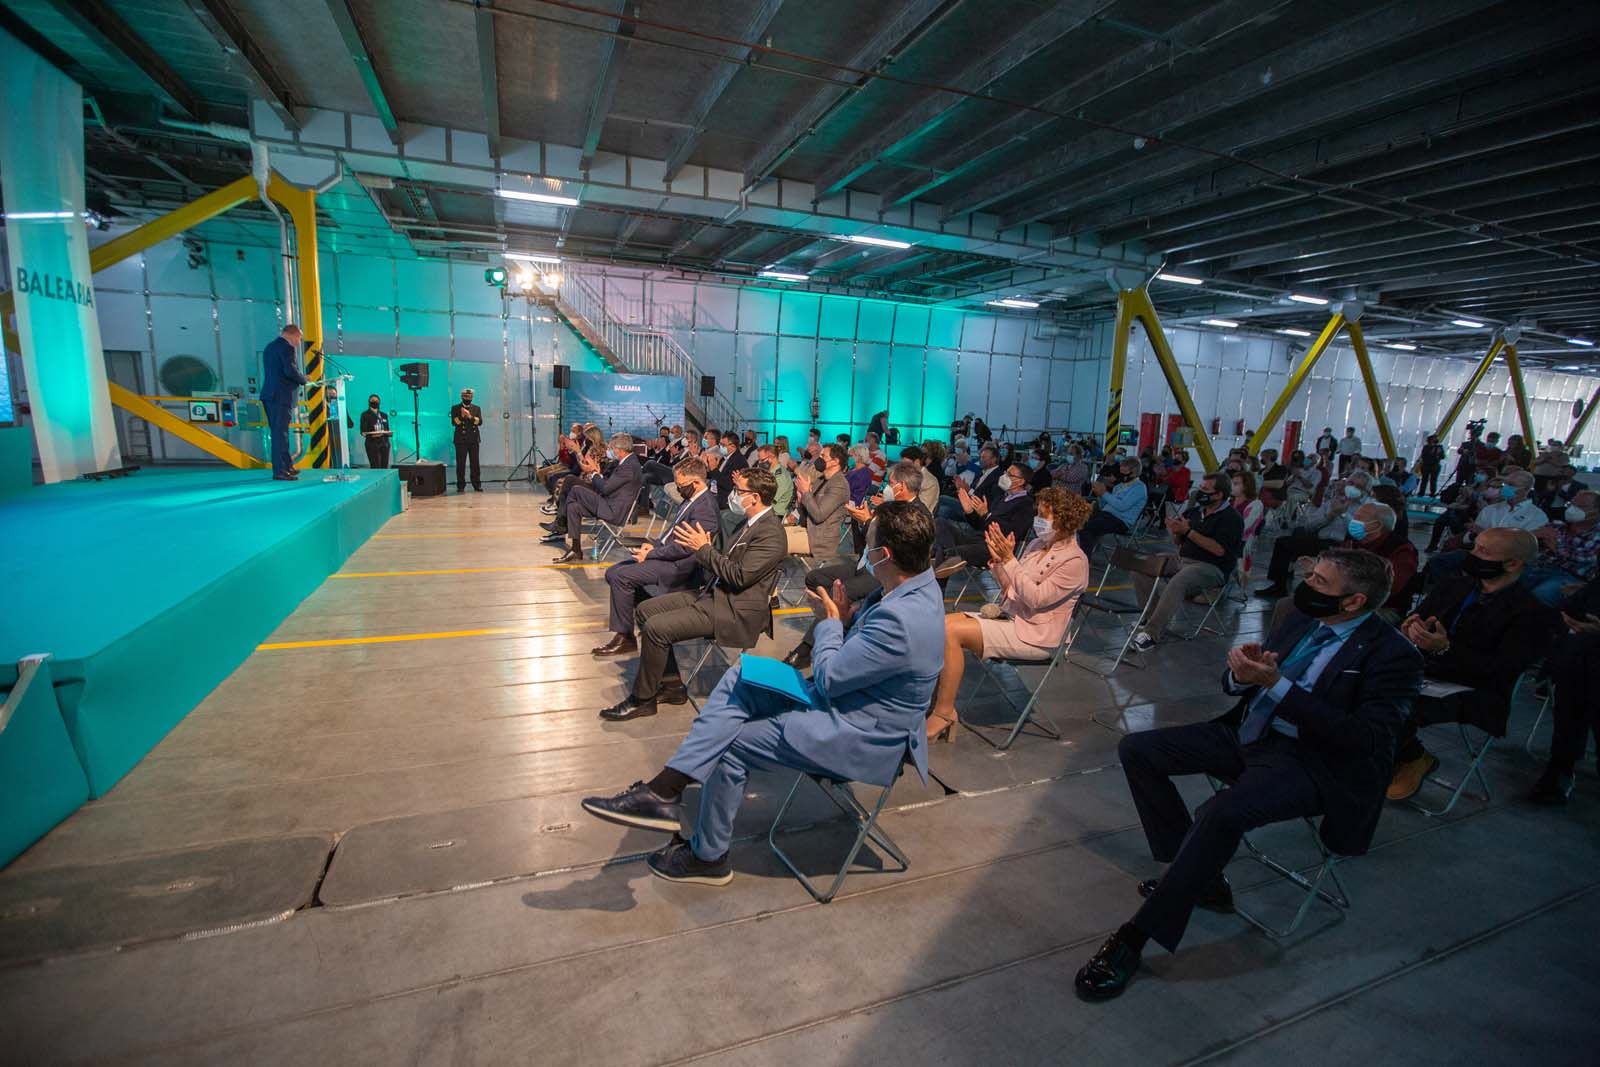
x=1409, y=776
x=619, y=645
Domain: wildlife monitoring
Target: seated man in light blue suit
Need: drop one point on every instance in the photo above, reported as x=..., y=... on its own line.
x=870, y=690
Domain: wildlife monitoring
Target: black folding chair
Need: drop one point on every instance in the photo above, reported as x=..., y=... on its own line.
x=866, y=823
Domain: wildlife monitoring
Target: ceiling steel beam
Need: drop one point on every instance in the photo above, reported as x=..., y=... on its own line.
x=1379, y=276
x=1346, y=270
x=1445, y=284
x=488, y=73
x=1283, y=73
x=979, y=76
x=1489, y=118
x=913, y=19
x=97, y=21
x=246, y=58
x=1198, y=33
x=614, y=50
x=1109, y=168
x=722, y=75
x=361, y=56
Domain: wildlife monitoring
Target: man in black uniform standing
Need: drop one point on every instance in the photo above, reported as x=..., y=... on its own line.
x=467, y=417
x=376, y=433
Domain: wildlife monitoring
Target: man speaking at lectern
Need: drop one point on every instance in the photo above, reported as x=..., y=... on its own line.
x=280, y=378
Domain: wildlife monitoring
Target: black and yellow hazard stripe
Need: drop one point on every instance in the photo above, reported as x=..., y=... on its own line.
x=1113, y=420
x=317, y=453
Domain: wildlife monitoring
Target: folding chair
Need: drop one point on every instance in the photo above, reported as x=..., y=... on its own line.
x=1337, y=895
x=1474, y=769
x=1030, y=710
x=609, y=535
x=799, y=552
x=1534, y=674
x=866, y=823
x=712, y=646
x=1211, y=610
x=1134, y=563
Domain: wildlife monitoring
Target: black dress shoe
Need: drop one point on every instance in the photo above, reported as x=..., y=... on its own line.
x=800, y=658
x=1218, y=896
x=571, y=555
x=677, y=863
x=1107, y=972
x=477, y=489
x=619, y=645
x=672, y=693
x=1552, y=789
x=637, y=806
x=629, y=707
x=1275, y=591
x=555, y=527
x=461, y=489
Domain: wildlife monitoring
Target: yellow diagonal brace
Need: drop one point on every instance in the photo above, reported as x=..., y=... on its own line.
x=1524, y=413
x=1374, y=394
x=1296, y=380
x=187, y=431
x=1583, y=420
x=1137, y=302
x=1460, y=403
x=302, y=207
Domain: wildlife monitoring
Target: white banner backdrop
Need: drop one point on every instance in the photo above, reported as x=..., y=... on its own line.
x=41, y=177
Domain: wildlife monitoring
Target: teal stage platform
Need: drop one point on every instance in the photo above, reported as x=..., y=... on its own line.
x=145, y=592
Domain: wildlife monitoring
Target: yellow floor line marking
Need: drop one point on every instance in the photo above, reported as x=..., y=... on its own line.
x=472, y=570
x=389, y=639
x=464, y=533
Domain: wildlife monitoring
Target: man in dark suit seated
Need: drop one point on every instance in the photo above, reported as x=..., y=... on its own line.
x=734, y=606
x=1313, y=734
x=1573, y=667
x=609, y=497
x=1012, y=512
x=875, y=672
x=1481, y=628
x=663, y=562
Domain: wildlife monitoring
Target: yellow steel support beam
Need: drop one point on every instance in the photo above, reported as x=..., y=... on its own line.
x=301, y=205
x=1358, y=342
x=1135, y=304
x=185, y=431
x=1583, y=420
x=1524, y=413
x=1296, y=380
x=1119, y=368
x=1460, y=403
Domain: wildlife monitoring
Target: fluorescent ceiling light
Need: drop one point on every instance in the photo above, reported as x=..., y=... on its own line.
x=1013, y=302
x=1181, y=279
x=1401, y=345
x=1296, y=333
x=1570, y=367
x=882, y=242
x=531, y=257
x=537, y=198
x=1580, y=342
x=1468, y=323
x=1226, y=324
x=784, y=276
x=1300, y=299
x=30, y=215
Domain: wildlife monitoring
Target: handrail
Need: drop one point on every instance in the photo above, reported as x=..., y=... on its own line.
x=644, y=349
x=27, y=670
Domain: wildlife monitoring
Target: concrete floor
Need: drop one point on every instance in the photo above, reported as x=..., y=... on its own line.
x=372, y=852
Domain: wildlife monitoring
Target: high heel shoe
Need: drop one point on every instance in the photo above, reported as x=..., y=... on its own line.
x=941, y=728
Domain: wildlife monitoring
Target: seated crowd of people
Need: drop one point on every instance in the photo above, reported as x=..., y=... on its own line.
x=1366, y=646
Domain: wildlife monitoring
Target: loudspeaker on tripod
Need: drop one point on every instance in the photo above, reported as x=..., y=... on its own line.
x=708, y=385
x=414, y=375
x=561, y=376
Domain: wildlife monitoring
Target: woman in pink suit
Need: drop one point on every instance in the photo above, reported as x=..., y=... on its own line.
x=1038, y=590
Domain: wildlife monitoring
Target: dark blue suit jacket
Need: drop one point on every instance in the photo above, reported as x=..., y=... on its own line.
x=619, y=489
x=1348, y=722
x=702, y=511
x=280, y=372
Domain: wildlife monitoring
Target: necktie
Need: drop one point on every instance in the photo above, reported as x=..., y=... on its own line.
x=1260, y=712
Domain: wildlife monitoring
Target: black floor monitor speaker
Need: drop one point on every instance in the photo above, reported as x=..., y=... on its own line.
x=423, y=479
x=708, y=385
x=560, y=376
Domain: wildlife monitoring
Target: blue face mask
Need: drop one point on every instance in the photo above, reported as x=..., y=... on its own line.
x=1035, y=463
x=1043, y=528
x=867, y=564
x=1507, y=492
x=1352, y=492
x=736, y=503
x=1480, y=478
x=1356, y=529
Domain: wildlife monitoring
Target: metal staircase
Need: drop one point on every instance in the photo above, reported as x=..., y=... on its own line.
x=630, y=349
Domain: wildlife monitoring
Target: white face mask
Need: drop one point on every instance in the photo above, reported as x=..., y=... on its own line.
x=1043, y=528
x=1005, y=483
x=1574, y=513
x=950, y=467
x=736, y=503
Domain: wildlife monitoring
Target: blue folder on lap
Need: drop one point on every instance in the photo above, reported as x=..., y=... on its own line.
x=776, y=675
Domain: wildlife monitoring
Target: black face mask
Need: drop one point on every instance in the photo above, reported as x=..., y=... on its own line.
x=1482, y=569
x=1314, y=604
x=1204, y=499
x=374, y=404
x=822, y=468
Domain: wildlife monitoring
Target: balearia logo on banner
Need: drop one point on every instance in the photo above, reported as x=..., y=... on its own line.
x=55, y=287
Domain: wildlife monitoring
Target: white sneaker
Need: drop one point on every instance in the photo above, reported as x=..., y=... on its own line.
x=1143, y=642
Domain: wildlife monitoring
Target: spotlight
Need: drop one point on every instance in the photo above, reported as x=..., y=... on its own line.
x=495, y=276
